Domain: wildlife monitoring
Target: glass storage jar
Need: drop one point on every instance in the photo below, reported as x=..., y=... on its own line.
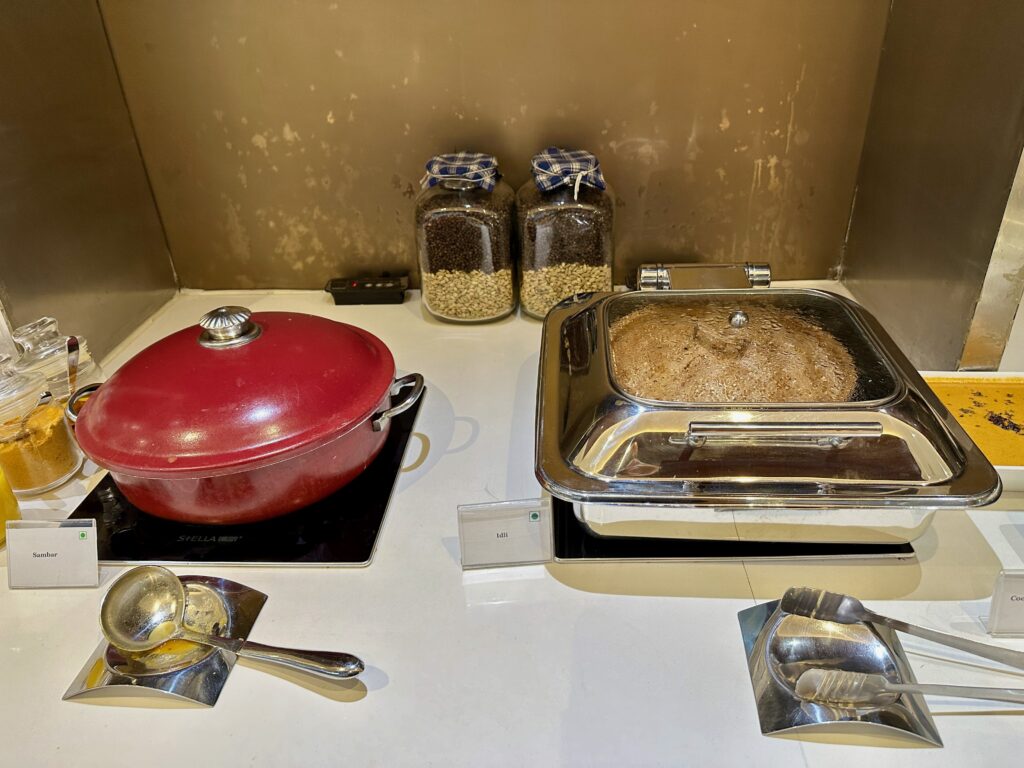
x=34, y=333
x=463, y=236
x=37, y=451
x=565, y=215
x=45, y=351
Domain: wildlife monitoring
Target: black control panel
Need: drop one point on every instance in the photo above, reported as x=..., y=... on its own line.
x=379, y=289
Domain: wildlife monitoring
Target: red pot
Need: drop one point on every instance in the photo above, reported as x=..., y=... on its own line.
x=244, y=417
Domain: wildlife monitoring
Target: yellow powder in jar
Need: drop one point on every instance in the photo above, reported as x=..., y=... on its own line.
x=40, y=453
x=8, y=506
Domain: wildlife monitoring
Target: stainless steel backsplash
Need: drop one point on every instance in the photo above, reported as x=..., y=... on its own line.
x=940, y=154
x=80, y=237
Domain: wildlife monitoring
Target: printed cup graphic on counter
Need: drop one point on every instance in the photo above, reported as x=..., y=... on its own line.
x=463, y=235
x=565, y=216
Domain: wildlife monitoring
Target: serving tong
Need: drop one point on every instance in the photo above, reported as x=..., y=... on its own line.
x=857, y=689
x=839, y=686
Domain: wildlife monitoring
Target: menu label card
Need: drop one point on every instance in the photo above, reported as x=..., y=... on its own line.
x=1007, y=615
x=505, y=533
x=42, y=554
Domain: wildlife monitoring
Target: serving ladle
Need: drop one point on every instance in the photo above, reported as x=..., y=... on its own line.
x=145, y=607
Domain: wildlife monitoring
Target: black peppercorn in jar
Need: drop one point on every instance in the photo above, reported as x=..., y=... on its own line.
x=463, y=235
x=565, y=216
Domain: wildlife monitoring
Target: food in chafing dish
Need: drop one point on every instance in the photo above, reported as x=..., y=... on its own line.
x=723, y=353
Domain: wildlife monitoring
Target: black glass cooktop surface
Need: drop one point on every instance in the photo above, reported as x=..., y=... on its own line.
x=574, y=541
x=340, y=530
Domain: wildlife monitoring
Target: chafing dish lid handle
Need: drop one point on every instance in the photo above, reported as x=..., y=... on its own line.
x=825, y=433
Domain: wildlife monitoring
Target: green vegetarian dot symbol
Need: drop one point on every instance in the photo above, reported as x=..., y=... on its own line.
x=83, y=535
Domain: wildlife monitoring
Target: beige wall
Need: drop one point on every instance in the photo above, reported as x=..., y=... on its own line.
x=80, y=235
x=285, y=140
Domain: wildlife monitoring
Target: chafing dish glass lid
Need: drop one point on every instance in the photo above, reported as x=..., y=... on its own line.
x=753, y=347
x=748, y=397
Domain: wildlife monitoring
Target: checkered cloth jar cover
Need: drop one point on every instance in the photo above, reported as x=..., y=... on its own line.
x=479, y=169
x=556, y=167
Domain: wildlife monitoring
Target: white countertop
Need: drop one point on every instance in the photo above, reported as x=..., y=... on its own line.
x=600, y=664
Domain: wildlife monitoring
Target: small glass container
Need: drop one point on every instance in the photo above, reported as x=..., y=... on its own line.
x=37, y=451
x=45, y=351
x=34, y=333
x=463, y=238
x=565, y=218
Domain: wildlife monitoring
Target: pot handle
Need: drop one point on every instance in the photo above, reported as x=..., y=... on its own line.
x=71, y=408
x=414, y=380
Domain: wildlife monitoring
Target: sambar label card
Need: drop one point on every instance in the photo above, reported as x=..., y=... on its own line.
x=45, y=554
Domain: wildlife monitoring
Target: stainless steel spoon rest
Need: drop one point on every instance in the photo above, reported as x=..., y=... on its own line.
x=194, y=675
x=781, y=646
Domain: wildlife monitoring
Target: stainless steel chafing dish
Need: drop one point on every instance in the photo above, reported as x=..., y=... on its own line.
x=872, y=467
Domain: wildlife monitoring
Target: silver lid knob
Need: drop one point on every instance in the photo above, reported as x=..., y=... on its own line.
x=227, y=327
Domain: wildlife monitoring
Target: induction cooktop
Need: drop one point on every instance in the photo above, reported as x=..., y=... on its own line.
x=573, y=541
x=340, y=530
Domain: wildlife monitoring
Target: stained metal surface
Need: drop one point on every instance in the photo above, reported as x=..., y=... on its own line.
x=1003, y=287
x=77, y=220
x=286, y=140
x=942, y=147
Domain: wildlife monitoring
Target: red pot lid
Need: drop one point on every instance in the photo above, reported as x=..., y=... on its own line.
x=238, y=392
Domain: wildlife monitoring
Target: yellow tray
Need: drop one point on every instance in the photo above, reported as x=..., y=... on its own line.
x=991, y=410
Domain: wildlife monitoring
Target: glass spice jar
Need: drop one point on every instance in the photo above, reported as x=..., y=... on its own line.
x=463, y=237
x=45, y=351
x=37, y=451
x=565, y=217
